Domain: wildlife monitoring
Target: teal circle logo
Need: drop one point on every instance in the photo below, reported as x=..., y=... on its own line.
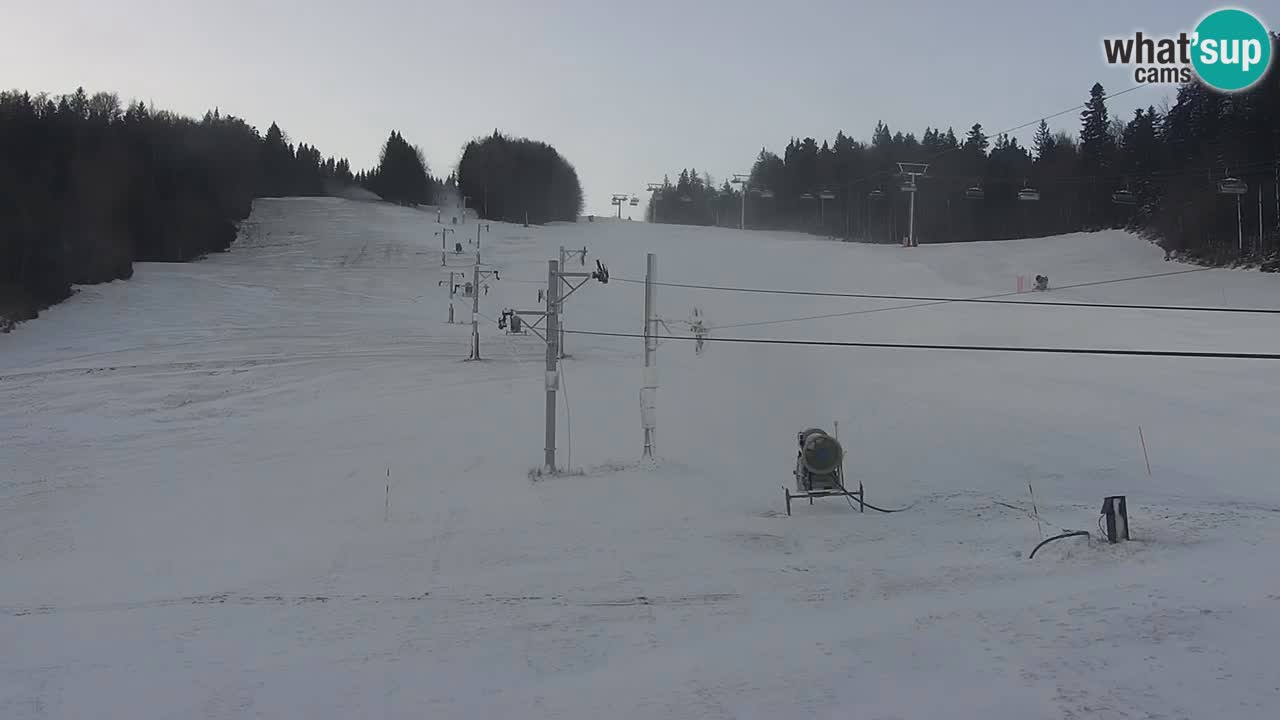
x=1232, y=50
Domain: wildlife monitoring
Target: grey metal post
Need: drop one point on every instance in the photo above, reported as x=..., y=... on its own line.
x=649, y=389
x=560, y=345
x=552, y=378
x=911, y=226
x=1239, y=225
x=475, y=309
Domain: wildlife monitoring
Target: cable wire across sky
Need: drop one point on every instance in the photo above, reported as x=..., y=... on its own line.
x=960, y=348
x=994, y=299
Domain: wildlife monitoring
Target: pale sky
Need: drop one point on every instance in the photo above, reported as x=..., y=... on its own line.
x=627, y=91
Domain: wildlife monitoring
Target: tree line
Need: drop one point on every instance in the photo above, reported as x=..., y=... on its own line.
x=88, y=187
x=693, y=200
x=1172, y=174
x=518, y=180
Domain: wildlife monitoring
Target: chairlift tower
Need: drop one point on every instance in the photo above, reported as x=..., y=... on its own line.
x=912, y=171
x=655, y=192
x=618, y=200
x=1237, y=187
x=823, y=197
x=744, y=181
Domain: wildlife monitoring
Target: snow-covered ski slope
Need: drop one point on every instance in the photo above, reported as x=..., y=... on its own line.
x=195, y=519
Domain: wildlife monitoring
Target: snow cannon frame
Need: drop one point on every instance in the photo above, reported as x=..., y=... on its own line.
x=817, y=473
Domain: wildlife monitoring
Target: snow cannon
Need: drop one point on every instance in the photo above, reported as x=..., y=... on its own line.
x=820, y=469
x=820, y=456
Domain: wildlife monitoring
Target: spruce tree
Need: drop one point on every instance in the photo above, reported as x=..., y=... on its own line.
x=1095, y=138
x=1043, y=141
x=976, y=142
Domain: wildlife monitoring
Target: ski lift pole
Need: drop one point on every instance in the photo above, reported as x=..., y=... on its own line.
x=475, y=309
x=649, y=387
x=1260, y=220
x=560, y=344
x=1239, y=226
x=553, y=359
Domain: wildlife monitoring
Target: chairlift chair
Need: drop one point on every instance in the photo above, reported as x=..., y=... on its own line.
x=827, y=195
x=975, y=193
x=766, y=193
x=1029, y=193
x=876, y=194
x=1124, y=197
x=1232, y=186
x=635, y=201
x=806, y=196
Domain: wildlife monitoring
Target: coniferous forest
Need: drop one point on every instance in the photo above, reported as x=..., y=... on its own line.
x=518, y=180
x=88, y=187
x=1168, y=173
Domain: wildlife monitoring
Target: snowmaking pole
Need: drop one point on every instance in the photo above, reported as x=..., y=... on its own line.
x=649, y=387
x=553, y=358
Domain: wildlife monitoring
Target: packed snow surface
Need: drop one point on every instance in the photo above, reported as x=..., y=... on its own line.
x=267, y=484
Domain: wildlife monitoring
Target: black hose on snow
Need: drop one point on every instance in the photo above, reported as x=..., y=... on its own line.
x=1046, y=541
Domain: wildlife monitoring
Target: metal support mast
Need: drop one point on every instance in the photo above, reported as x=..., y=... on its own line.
x=655, y=192
x=554, y=304
x=444, y=244
x=475, y=309
x=476, y=275
x=560, y=339
x=553, y=359
x=618, y=200
x=649, y=388
x=743, y=180
x=564, y=258
x=912, y=171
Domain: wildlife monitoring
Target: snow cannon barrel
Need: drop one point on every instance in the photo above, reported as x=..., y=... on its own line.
x=820, y=453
